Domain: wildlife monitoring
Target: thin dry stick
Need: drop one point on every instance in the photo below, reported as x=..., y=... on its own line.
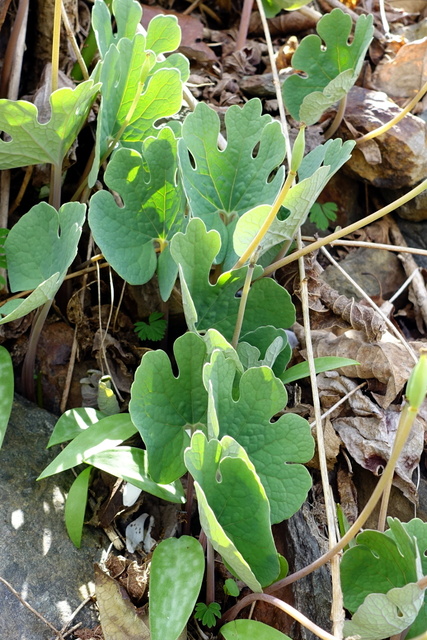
x=389, y=324
x=284, y=606
x=73, y=615
x=74, y=45
x=371, y=245
x=347, y=230
x=36, y=613
x=336, y=611
x=340, y=402
x=276, y=80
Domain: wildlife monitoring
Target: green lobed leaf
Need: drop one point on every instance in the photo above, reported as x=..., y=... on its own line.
x=127, y=15
x=167, y=409
x=130, y=464
x=233, y=508
x=263, y=338
x=127, y=68
x=221, y=185
x=208, y=613
x=274, y=448
x=244, y=629
x=217, y=305
x=385, y=615
x=34, y=142
x=73, y=422
x=75, y=506
x=382, y=560
x=45, y=292
x=102, y=435
x=163, y=34
x=176, y=574
x=131, y=236
x=331, y=65
x=43, y=243
x=299, y=200
x=377, y=563
x=326, y=363
x=6, y=390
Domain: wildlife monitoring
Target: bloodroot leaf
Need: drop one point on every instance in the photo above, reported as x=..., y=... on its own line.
x=176, y=575
x=233, y=508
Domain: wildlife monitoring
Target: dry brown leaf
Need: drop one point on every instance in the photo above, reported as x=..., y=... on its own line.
x=386, y=361
x=368, y=431
x=348, y=495
x=119, y=618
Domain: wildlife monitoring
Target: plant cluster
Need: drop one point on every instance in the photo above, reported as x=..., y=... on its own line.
x=204, y=211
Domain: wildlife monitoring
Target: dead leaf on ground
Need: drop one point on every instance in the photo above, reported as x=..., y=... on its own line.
x=368, y=431
x=386, y=361
x=119, y=618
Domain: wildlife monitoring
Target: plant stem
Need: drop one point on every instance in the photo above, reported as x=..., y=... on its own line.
x=346, y=230
x=56, y=36
x=338, y=118
x=30, y=357
x=73, y=43
x=388, y=125
x=267, y=222
x=284, y=606
x=55, y=186
x=189, y=504
x=244, y=24
x=210, y=573
x=242, y=305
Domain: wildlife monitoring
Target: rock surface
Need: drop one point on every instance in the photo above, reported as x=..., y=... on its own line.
x=36, y=556
x=397, y=158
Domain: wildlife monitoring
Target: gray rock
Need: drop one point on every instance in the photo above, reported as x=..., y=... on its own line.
x=415, y=234
x=36, y=556
x=396, y=159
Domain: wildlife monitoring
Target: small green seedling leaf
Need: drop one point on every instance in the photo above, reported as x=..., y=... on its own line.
x=274, y=448
x=132, y=237
x=154, y=329
x=166, y=409
x=34, y=142
x=233, y=508
x=130, y=464
x=208, y=613
x=176, y=575
x=127, y=14
x=326, y=363
x=321, y=214
x=231, y=588
x=102, y=435
x=6, y=390
x=330, y=63
x=221, y=185
x=244, y=629
x=384, y=615
x=73, y=422
x=75, y=506
x=217, y=305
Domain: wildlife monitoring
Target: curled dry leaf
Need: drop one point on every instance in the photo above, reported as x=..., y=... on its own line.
x=323, y=299
x=386, y=361
x=119, y=618
x=369, y=432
